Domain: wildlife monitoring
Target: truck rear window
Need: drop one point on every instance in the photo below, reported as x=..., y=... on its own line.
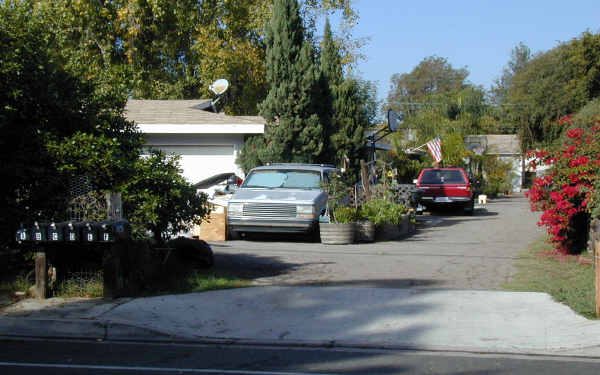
x=442, y=177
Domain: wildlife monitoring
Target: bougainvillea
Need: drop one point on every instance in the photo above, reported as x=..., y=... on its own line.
x=565, y=195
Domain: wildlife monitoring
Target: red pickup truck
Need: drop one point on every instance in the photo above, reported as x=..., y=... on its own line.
x=446, y=187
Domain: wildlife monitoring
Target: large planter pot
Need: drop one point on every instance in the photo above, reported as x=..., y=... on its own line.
x=388, y=232
x=365, y=231
x=337, y=234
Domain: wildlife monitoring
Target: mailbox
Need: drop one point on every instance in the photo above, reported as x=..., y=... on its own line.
x=73, y=231
x=121, y=229
x=107, y=231
x=39, y=232
x=56, y=232
x=89, y=232
x=23, y=234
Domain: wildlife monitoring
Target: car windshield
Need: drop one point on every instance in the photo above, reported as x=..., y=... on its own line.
x=443, y=177
x=291, y=179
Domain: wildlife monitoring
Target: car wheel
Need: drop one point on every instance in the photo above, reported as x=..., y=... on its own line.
x=233, y=235
x=469, y=209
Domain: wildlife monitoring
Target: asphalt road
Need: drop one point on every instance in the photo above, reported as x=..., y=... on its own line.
x=63, y=357
x=448, y=251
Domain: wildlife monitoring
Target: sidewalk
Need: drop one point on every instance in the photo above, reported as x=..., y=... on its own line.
x=476, y=321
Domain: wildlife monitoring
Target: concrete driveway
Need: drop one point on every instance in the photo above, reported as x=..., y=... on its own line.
x=447, y=252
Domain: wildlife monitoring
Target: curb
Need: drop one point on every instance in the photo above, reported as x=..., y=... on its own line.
x=94, y=330
x=78, y=329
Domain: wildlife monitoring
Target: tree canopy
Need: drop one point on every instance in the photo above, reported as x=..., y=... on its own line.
x=55, y=124
x=433, y=75
x=550, y=85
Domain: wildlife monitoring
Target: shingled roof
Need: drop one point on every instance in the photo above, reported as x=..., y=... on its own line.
x=503, y=144
x=182, y=112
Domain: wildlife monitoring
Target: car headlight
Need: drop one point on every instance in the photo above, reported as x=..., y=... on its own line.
x=305, y=211
x=235, y=209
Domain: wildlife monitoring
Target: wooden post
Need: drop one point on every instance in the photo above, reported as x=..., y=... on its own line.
x=41, y=274
x=364, y=175
x=113, y=278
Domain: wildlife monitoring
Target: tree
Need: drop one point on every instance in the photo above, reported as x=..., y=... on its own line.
x=164, y=49
x=433, y=75
x=294, y=132
x=519, y=58
x=157, y=198
x=553, y=84
x=47, y=114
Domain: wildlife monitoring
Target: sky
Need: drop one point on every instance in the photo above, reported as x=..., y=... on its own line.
x=478, y=35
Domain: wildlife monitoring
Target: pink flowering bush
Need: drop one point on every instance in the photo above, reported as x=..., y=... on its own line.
x=566, y=194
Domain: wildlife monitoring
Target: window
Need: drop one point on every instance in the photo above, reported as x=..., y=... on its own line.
x=290, y=179
x=442, y=177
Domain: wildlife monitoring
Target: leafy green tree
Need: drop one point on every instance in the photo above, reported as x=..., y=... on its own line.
x=553, y=84
x=433, y=75
x=47, y=113
x=158, y=199
x=519, y=58
x=164, y=49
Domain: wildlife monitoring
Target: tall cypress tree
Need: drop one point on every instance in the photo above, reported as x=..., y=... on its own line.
x=294, y=132
x=348, y=121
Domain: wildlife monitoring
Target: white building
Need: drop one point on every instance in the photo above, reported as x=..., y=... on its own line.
x=207, y=142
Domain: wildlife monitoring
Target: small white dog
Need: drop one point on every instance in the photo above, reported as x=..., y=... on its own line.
x=482, y=199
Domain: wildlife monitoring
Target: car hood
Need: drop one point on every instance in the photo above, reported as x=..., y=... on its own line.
x=276, y=195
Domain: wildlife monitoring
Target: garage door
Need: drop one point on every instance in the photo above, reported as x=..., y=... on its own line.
x=200, y=162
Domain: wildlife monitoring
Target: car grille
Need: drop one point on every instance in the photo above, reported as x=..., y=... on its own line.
x=270, y=210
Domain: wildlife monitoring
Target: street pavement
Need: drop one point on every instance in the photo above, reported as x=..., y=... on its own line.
x=446, y=320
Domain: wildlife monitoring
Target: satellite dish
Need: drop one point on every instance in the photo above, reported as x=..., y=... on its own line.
x=219, y=86
x=394, y=120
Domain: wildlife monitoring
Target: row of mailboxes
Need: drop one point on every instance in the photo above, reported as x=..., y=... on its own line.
x=85, y=231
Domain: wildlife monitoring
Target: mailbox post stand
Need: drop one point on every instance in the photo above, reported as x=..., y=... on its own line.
x=41, y=273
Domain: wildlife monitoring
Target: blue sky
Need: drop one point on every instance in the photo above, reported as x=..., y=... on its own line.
x=477, y=34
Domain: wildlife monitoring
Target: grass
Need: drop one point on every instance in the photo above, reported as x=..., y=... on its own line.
x=204, y=281
x=81, y=284
x=565, y=278
x=19, y=284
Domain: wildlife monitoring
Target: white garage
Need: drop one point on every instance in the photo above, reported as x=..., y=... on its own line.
x=207, y=142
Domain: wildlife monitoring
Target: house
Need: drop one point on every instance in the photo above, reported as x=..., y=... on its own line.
x=507, y=148
x=208, y=142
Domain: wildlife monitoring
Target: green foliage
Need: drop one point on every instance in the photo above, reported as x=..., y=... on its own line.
x=382, y=211
x=553, y=84
x=498, y=175
x=158, y=199
x=345, y=215
x=588, y=116
x=338, y=190
x=49, y=115
x=433, y=75
x=81, y=284
x=294, y=131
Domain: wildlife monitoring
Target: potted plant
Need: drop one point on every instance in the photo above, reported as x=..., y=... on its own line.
x=387, y=217
x=338, y=224
x=341, y=228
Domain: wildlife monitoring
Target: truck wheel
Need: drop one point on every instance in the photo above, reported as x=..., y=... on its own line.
x=469, y=209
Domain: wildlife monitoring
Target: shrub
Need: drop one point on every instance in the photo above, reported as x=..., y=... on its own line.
x=566, y=194
x=344, y=215
x=160, y=200
x=381, y=211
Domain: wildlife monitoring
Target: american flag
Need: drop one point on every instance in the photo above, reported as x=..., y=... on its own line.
x=435, y=149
